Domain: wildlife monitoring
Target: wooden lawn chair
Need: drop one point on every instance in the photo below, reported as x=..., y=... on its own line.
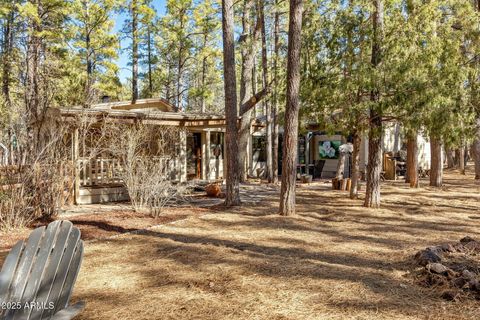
x=38, y=275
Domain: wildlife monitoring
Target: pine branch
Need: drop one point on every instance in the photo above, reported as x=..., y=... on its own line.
x=256, y=98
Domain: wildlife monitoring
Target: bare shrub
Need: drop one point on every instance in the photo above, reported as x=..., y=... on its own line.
x=15, y=204
x=35, y=188
x=147, y=154
x=30, y=192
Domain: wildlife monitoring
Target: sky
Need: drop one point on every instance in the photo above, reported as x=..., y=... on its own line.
x=125, y=70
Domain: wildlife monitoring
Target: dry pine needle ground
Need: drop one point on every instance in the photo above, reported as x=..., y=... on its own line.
x=335, y=260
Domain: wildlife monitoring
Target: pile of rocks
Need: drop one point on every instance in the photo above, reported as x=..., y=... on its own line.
x=452, y=268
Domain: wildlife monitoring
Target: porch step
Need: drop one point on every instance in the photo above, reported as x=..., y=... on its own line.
x=92, y=195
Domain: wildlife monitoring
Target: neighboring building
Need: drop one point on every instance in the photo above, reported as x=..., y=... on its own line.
x=319, y=150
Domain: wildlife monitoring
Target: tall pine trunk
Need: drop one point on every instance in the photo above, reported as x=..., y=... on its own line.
x=232, y=197
x=32, y=91
x=178, y=92
x=461, y=159
x=340, y=166
x=450, y=158
x=355, y=166
x=476, y=157
x=268, y=108
x=436, y=167
x=290, y=143
x=7, y=48
x=374, y=166
x=476, y=150
x=411, y=175
x=88, y=58
x=204, y=76
x=247, y=44
x=134, y=13
x=275, y=126
x=149, y=61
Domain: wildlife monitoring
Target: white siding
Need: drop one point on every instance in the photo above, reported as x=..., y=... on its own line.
x=393, y=138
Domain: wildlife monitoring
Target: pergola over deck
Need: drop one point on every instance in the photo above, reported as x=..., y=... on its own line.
x=161, y=118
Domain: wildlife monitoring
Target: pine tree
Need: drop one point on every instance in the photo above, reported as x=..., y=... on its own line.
x=96, y=44
x=47, y=36
x=232, y=179
x=289, y=168
x=207, y=36
x=177, y=33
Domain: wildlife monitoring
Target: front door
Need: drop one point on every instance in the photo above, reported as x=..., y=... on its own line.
x=194, y=156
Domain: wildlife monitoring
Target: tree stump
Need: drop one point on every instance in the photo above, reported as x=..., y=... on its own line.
x=334, y=184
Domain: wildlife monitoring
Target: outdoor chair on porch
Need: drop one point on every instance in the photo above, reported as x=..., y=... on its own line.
x=39, y=273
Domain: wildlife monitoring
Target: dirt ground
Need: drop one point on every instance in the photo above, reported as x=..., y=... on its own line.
x=335, y=260
x=100, y=221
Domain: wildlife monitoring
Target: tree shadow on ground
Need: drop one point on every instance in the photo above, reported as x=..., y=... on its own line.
x=334, y=253
x=203, y=255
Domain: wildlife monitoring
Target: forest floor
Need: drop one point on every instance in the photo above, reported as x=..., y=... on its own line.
x=334, y=260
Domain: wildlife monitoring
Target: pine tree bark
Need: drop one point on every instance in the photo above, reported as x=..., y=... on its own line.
x=290, y=143
x=150, y=62
x=457, y=158
x=355, y=166
x=232, y=197
x=436, y=167
x=374, y=166
x=204, y=76
x=247, y=44
x=475, y=148
x=268, y=108
x=134, y=13
x=7, y=48
x=275, y=126
x=88, y=57
x=411, y=175
x=476, y=155
x=168, y=84
x=33, y=99
x=450, y=158
x=180, y=62
x=461, y=159
x=340, y=166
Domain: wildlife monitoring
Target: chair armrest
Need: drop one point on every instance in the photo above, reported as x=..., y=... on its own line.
x=69, y=312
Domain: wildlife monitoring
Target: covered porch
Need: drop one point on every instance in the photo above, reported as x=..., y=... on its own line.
x=199, y=151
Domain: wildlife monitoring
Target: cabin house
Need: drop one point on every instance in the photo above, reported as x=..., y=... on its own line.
x=200, y=146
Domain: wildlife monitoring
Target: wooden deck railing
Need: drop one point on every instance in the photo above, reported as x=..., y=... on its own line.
x=102, y=171
x=99, y=171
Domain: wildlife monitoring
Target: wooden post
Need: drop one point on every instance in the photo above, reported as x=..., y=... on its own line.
x=95, y=176
x=90, y=172
x=76, y=169
x=183, y=156
x=102, y=168
x=203, y=141
x=307, y=153
x=250, y=154
x=207, y=154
